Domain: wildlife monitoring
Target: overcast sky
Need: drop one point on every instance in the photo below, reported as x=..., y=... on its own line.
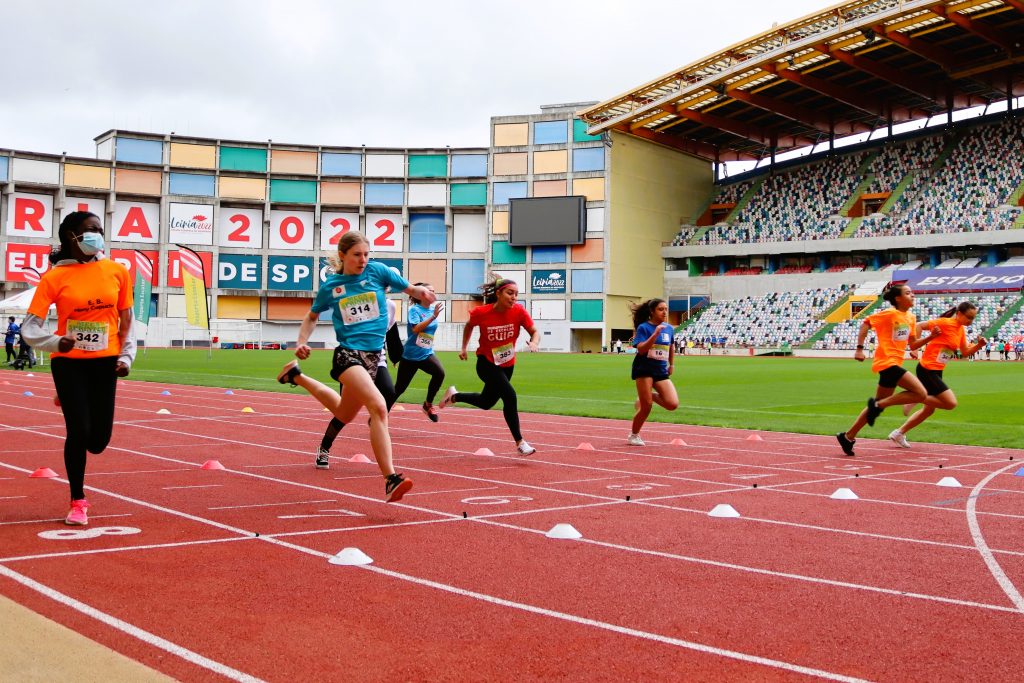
x=400, y=73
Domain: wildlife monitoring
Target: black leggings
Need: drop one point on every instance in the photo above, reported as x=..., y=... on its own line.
x=430, y=365
x=10, y=352
x=497, y=386
x=86, y=388
x=386, y=388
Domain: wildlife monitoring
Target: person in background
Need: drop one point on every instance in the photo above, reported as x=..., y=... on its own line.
x=418, y=353
x=652, y=364
x=11, y=336
x=499, y=320
x=94, y=343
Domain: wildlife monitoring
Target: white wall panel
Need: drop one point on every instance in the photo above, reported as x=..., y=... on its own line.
x=469, y=233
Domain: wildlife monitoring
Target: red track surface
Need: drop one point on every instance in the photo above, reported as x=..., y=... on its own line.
x=912, y=581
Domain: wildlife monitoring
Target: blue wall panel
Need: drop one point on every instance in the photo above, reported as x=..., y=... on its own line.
x=427, y=233
x=141, y=151
x=588, y=159
x=193, y=183
x=506, y=191
x=341, y=164
x=550, y=132
x=549, y=254
x=384, y=194
x=467, y=274
x=469, y=165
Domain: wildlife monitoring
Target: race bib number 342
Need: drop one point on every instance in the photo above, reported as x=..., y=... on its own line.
x=89, y=336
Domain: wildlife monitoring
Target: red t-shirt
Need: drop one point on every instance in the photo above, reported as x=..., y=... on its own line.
x=498, y=331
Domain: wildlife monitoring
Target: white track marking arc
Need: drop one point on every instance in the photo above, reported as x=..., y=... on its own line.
x=979, y=541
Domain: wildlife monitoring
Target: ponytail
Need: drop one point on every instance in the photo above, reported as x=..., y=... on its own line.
x=642, y=311
x=489, y=290
x=962, y=307
x=891, y=293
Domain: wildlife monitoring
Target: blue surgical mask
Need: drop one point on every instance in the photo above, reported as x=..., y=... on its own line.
x=91, y=243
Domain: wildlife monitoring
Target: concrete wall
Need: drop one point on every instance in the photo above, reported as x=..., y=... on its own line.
x=653, y=188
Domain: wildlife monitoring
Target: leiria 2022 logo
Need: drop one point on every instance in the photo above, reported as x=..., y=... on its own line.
x=547, y=282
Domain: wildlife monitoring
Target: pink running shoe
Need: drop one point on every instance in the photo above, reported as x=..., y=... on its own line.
x=77, y=514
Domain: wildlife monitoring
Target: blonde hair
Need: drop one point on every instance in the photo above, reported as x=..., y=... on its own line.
x=347, y=241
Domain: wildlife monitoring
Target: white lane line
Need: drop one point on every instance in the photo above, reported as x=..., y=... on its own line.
x=580, y=481
x=176, y=469
x=480, y=469
x=267, y=505
x=431, y=493
x=193, y=486
x=61, y=519
x=124, y=548
x=11, y=497
x=982, y=546
x=132, y=630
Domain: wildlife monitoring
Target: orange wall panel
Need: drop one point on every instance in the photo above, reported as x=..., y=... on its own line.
x=434, y=271
x=499, y=222
x=591, y=251
x=549, y=188
x=193, y=156
x=458, y=311
x=238, y=307
x=512, y=163
x=80, y=175
x=556, y=161
x=591, y=188
x=511, y=134
x=280, y=308
x=243, y=188
x=339, y=193
x=288, y=161
x=131, y=181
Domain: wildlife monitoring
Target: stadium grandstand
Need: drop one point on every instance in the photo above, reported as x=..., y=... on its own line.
x=866, y=143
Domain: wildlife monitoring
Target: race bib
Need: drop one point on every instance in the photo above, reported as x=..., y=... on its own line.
x=89, y=336
x=658, y=352
x=359, y=308
x=424, y=340
x=901, y=333
x=504, y=354
x=945, y=355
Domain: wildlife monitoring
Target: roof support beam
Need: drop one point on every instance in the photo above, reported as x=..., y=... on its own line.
x=743, y=130
x=793, y=112
x=1015, y=3
x=984, y=31
x=694, y=147
x=932, y=53
x=854, y=98
x=882, y=71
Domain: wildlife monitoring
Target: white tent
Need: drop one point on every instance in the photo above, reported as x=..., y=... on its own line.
x=18, y=304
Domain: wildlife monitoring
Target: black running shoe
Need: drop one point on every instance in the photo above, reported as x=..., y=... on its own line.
x=845, y=442
x=323, y=461
x=289, y=372
x=430, y=411
x=395, y=487
x=873, y=412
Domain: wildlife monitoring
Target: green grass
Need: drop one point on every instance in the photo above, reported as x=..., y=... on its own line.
x=809, y=395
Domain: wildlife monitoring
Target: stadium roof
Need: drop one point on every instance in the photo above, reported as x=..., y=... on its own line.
x=851, y=68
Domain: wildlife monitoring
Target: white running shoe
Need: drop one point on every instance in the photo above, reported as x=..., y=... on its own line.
x=635, y=440
x=899, y=438
x=525, y=449
x=448, y=397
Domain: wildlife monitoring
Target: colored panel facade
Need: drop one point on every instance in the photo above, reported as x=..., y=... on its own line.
x=587, y=310
x=469, y=233
x=506, y=191
x=511, y=134
x=499, y=222
x=130, y=181
x=428, y=233
x=469, y=166
x=467, y=276
x=549, y=188
x=428, y=165
x=385, y=165
x=588, y=281
x=510, y=163
x=293, y=191
x=579, y=132
x=240, y=271
x=290, y=273
x=591, y=251
x=243, y=159
x=340, y=193
x=139, y=151
x=428, y=194
x=587, y=159
x=279, y=308
x=243, y=188
x=548, y=254
x=384, y=194
x=192, y=184
x=554, y=161
x=292, y=161
x=238, y=307
x=458, y=311
x=550, y=132
x=78, y=175
x=193, y=156
x=341, y=164
x=468, y=194
x=4, y=168
x=501, y=252
x=35, y=171
x=434, y=271
x=591, y=188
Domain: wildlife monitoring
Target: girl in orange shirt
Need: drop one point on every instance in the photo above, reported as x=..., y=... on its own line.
x=948, y=335
x=895, y=329
x=93, y=346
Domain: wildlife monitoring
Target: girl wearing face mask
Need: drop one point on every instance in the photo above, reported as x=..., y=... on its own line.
x=93, y=346
x=653, y=363
x=499, y=320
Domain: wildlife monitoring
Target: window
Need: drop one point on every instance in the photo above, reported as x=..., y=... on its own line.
x=427, y=233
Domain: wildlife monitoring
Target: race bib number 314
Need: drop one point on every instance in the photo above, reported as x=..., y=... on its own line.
x=359, y=308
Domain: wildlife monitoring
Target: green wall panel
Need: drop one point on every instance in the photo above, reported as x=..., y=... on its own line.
x=587, y=311
x=243, y=159
x=293, y=191
x=428, y=165
x=501, y=252
x=469, y=194
x=579, y=132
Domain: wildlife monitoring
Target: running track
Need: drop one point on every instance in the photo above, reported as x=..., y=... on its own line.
x=224, y=575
